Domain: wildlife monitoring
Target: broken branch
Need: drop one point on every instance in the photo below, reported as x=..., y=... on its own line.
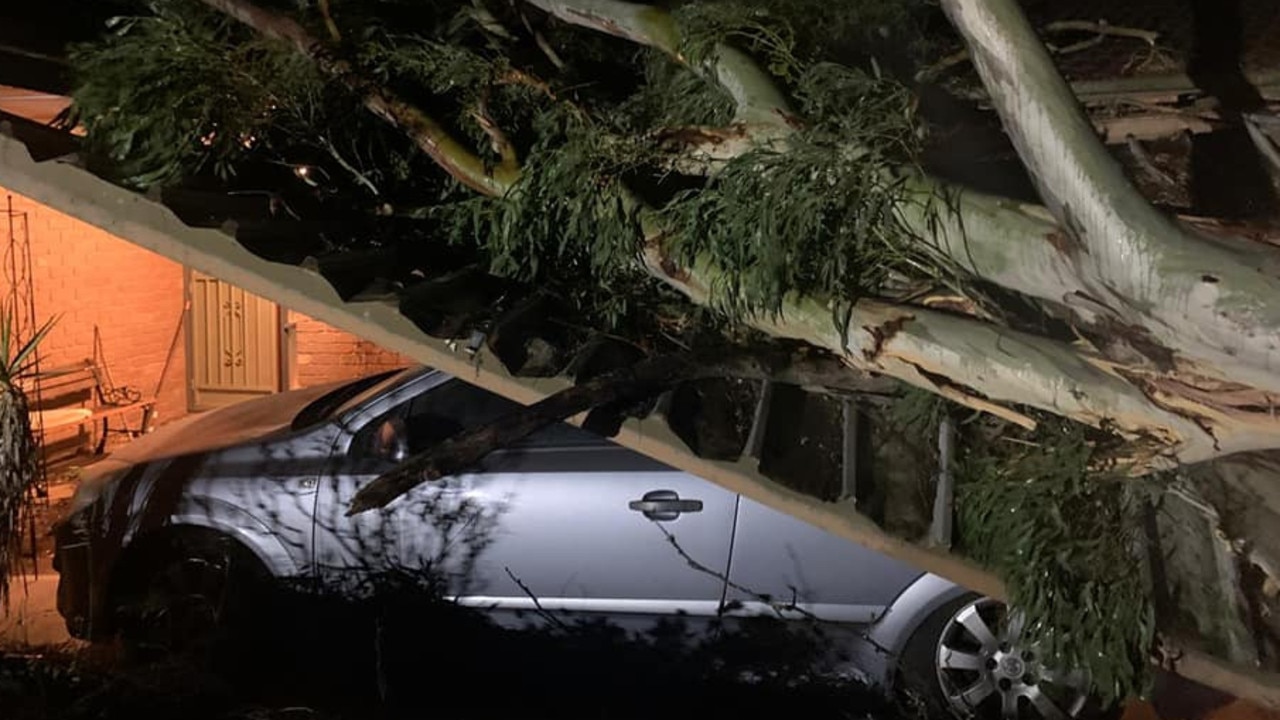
x=329, y=24
x=497, y=138
x=427, y=134
x=466, y=448
x=1103, y=28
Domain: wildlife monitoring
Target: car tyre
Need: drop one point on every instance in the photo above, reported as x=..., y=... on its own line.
x=186, y=594
x=967, y=660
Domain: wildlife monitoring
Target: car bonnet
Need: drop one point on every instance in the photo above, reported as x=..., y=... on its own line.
x=225, y=427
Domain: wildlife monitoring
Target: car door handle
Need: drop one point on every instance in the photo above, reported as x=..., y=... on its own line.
x=664, y=505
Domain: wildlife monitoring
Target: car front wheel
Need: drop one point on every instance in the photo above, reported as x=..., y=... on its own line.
x=185, y=595
x=970, y=659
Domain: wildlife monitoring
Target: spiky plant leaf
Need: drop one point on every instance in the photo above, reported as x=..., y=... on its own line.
x=17, y=470
x=18, y=451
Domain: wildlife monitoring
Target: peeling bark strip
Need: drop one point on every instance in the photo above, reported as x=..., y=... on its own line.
x=465, y=449
x=1065, y=244
x=641, y=24
x=882, y=333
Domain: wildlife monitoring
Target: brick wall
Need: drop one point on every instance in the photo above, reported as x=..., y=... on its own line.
x=87, y=277
x=326, y=354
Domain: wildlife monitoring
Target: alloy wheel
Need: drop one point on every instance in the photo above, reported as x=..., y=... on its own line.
x=986, y=669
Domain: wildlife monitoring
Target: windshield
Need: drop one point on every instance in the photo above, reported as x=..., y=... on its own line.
x=325, y=406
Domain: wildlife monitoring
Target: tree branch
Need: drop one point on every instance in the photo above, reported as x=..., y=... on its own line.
x=1103, y=28
x=497, y=138
x=645, y=379
x=1216, y=304
x=351, y=169
x=758, y=101
x=1004, y=242
x=1113, y=256
x=978, y=365
x=427, y=134
x=329, y=24
x=465, y=449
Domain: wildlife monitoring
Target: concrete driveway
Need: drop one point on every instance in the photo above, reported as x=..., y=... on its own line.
x=33, y=618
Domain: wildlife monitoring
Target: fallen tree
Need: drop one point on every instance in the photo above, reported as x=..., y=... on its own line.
x=1197, y=311
x=741, y=168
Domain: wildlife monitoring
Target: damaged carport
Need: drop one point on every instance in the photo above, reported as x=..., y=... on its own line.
x=41, y=165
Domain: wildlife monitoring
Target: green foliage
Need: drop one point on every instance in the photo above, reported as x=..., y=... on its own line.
x=755, y=29
x=570, y=216
x=16, y=361
x=1066, y=540
x=17, y=445
x=437, y=67
x=818, y=218
x=916, y=413
x=810, y=30
x=167, y=93
x=670, y=95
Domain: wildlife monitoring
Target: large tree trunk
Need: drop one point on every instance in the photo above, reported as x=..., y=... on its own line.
x=1214, y=303
x=1021, y=248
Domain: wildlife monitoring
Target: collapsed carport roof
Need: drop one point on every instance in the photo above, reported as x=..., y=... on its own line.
x=41, y=164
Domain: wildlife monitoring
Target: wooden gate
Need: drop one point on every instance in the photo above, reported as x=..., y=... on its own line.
x=233, y=341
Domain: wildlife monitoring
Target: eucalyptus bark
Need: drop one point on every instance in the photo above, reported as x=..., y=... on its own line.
x=1013, y=245
x=1214, y=303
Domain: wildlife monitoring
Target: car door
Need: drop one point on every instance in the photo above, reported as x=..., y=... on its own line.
x=787, y=568
x=565, y=522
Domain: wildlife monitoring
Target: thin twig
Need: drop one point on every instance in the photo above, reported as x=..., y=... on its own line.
x=514, y=76
x=765, y=598
x=778, y=609
x=1260, y=128
x=328, y=21
x=1102, y=28
x=946, y=63
x=497, y=138
x=379, y=670
x=1075, y=47
x=359, y=176
x=552, y=56
x=13, y=50
x=275, y=201
x=547, y=615
x=1140, y=155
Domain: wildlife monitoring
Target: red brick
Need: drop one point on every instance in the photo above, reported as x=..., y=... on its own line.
x=87, y=277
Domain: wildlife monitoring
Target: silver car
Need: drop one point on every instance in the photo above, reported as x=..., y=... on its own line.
x=564, y=524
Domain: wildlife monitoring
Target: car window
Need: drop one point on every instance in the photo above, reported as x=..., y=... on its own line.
x=325, y=406
x=444, y=411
